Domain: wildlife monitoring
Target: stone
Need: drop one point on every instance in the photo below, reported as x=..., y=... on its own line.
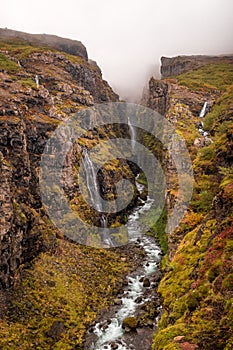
x=157, y=276
x=56, y=331
x=179, y=338
x=138, y=300
x=130, y=323
x=146, y=282
x=114, y=346
x=188, y=346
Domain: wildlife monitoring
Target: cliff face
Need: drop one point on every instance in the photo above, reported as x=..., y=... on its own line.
x=72, y=47
x=48, y=284
x=29, y=112
x=172, y=66
x=197, y=285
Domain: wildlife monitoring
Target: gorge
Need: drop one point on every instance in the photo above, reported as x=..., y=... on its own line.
x=143, y=288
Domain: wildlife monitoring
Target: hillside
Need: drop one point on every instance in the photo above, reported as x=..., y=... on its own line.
x=197, y=288
x=52, y=288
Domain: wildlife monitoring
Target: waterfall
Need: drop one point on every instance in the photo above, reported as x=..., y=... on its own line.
x=132, y=132
x=203, y=111
x=37, y=81
x=105, y=236
x=93, y=190
x=92, y=184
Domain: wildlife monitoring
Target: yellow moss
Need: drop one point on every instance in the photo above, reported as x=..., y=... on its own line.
x=71, y=286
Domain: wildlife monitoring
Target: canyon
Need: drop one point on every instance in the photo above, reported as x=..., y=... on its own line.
x=55, y=292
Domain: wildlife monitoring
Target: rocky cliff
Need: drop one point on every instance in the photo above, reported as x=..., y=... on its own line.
x=29, y=111
x=48, y=284
x=72, y=47
x=172, y=66
x=197, y=285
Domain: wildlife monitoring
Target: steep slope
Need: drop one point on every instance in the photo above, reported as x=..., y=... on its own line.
x=28, y=114
x=72, y=47
x=57, y=287
x=197, y=288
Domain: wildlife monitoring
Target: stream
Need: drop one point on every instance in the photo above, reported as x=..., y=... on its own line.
x=109, y=333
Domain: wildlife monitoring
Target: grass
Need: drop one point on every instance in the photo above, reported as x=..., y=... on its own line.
x=209, y=77
x=71, y=286
x=197, y=284
x=8, y=65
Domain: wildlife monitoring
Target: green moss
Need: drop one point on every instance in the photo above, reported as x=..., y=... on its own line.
x=214, y=120
x=164, y=338
x=22, y=49
x=8, y=65
x=198, y=279
x=209, y=77
x=71, y=286
x=131, y=322
x=28, y=82
x=159, y=230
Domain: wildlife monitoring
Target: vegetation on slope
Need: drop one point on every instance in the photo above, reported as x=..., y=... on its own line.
x=59, y=287
x=60, y=295
x=197, y=287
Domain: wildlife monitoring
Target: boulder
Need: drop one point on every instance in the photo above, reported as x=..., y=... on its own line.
x=146, y=282
x=130, y=323
x=56, y=331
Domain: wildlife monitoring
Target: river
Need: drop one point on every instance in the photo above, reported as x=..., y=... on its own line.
x=137, y=296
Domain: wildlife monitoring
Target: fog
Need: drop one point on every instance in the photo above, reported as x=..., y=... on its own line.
x=128, y=37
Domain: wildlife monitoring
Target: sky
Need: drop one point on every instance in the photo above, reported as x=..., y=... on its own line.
x=128, y=37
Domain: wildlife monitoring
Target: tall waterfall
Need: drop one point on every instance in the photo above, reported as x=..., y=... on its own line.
x=203, y=111
x=132, y=133
x=92, y=184
x=94, y=193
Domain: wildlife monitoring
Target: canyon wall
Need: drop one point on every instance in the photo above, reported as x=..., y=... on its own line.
x=196, y=287
x=172, y=66
x=28, y=115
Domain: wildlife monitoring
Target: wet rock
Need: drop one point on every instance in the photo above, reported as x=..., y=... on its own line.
x=114, y=346
x=146, y=282
x=138, y=300
x=157, y=276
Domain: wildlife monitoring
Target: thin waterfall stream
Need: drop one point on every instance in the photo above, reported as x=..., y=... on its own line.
x=92, y=183
x=201, y=130
x=132, y=131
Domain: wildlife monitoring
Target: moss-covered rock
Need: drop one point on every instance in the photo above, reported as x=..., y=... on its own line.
x=130, y=323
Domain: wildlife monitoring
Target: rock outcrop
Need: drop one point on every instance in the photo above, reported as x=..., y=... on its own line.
x=72, y=47
x=173, y=66
x=39, y=88
x=158, y=96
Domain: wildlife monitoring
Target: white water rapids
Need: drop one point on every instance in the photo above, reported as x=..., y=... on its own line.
x=114, y=331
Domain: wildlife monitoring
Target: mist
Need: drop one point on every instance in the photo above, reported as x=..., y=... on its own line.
x=128, y=37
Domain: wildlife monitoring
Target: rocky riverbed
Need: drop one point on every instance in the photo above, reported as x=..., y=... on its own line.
x=131, y=320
